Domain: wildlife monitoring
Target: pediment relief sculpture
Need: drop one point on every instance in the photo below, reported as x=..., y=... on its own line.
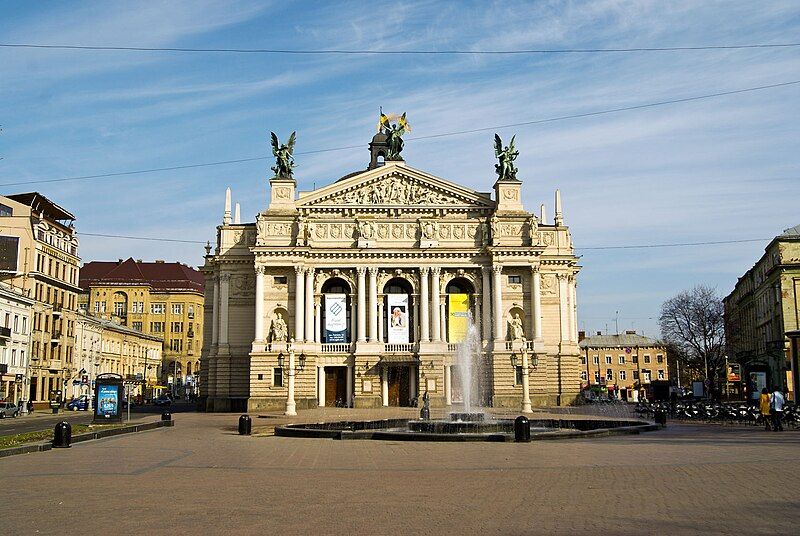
x=393, y=191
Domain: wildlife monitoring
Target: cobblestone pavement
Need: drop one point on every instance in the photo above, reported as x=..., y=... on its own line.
x=200, y=477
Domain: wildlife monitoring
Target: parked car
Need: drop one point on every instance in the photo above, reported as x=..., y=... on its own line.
x=163, y=400
x=79, y=404
x=8, y=409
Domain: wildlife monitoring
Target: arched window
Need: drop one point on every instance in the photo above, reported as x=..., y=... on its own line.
x=335, y=322
x=398, y=311
x=460, y=293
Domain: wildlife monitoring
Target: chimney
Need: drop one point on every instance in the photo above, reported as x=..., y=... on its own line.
x=119, y=261
x=599, y=333
x=139, y=261
x=630, y=332
x=159, y=261
x=581, y=335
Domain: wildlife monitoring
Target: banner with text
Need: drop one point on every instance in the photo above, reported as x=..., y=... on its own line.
x=397, y=305
x=457, y=317
x=335, y=318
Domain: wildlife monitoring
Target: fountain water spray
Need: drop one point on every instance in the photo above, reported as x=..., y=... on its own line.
x=470, y=364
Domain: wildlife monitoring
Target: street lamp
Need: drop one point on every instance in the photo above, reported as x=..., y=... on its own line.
x=291, y=406
x=515, y=362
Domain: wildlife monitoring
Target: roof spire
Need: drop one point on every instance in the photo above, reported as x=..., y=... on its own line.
x=226, y=218
x=236, y=215
x=542, y=215
x=558, y=219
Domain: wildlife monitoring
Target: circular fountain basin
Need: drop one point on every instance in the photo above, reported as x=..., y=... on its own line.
x=468, y=416
x=498, y=430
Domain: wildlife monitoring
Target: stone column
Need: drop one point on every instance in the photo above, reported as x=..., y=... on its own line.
x=536, y=301
x=299, y=302
x=526, y=389
x=321, y=386
x=415, y=332
x=448, y=385
x=434, y=304
x=425, y=306
x=214, y=314
x=349, y=402
x=562, y=308
x=224, y=280
x=497, y=294
x=476, y=315
x=573, y=286
x=260, y=303
x=380, y=320
x=309, y=304
x=353, y=317
x=384, y=386
x=443, y=320
x=318, y=319
x=486, y=296
x=412, y=381
x=373, y=304
x=362, y=306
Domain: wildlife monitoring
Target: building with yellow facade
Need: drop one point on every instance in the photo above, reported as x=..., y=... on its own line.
x=624, y=365
x=760, y=310
x=161, y=299
x=39, y=257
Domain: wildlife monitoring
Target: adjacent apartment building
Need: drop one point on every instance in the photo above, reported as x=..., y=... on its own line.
x=762, y=307
x=159, y=299
x=39, y=258
x=625, y=365
x=15, y=340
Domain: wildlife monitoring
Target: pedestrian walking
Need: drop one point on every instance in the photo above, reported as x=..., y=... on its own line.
x=30, y=407
x=764, y=408
x=776, y=404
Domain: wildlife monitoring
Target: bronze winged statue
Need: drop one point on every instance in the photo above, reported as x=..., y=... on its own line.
x=284, y=161
x=394, y=133
x=505, y=167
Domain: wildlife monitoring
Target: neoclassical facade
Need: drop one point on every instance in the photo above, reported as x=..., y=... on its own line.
x=371, y=282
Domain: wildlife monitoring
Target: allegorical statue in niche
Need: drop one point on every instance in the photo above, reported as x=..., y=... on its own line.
x=505, y=159
x=278, y=331
x=284, y=161
x=515, y=325
x=394, y=132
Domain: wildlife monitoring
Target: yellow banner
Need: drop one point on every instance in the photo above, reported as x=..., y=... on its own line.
x=457, y=317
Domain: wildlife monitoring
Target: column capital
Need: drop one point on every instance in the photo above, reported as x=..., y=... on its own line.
x=299, y=269
x=535, y=268
x=373, y=270
x=424, y=270
x=261, y=270
x=224, y=277
x=436, y=271
x=562, y=276
x=310, y=270
x=497, y=268
x=361, y=270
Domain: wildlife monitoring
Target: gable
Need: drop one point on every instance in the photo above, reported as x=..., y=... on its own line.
x=395, y=185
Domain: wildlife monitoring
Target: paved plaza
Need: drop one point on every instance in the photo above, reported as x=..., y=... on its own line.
x=200, y=477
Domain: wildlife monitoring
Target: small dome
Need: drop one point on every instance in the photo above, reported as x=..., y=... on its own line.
x=379, y=137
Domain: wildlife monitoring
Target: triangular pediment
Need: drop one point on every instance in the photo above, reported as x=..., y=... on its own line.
x=395, y=184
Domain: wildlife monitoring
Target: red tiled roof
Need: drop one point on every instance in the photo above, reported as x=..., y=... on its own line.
x=159, y=275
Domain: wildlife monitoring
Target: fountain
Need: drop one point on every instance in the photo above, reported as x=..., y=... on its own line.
x=471, y=424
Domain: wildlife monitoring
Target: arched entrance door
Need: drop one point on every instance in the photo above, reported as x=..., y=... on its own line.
x=399, y=332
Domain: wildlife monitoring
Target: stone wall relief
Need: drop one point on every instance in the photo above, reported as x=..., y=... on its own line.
x=393, y=191
x=243, y=285
x=549, y=285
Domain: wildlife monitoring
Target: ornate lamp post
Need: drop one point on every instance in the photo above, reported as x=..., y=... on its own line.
x=291, y=406
x=526, y=390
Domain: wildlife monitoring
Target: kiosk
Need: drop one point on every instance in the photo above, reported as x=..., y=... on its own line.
x=108, y=393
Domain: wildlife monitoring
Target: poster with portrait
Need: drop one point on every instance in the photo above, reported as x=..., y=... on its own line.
x=108, y=400
x=335, y=318
x=397, y=317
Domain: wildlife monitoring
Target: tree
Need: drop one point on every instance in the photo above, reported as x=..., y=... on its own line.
x=693, y=323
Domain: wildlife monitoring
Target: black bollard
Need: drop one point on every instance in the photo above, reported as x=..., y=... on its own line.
x=166, y=416
x=245, y=424
x=62, y=435
x=661, y=417
x=522, y=430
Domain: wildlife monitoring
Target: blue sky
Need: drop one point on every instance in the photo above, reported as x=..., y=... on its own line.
x=720, y=169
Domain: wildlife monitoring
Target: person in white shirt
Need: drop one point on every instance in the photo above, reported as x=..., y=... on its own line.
x=776, y=405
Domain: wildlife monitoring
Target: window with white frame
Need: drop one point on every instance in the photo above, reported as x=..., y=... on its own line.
x=177, y=308
x=158, y=308
x=621, y=359
x=609, y=375
x=660, y=374
x=584, y=375
x=596, y=360
x=647, y=358
x=608, y=360
x=622, y=375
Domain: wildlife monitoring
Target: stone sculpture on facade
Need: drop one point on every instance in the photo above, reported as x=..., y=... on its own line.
x=278, y=331
x=284, y=161
x=515, y=325
x=394, y=133
x=505, y=167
